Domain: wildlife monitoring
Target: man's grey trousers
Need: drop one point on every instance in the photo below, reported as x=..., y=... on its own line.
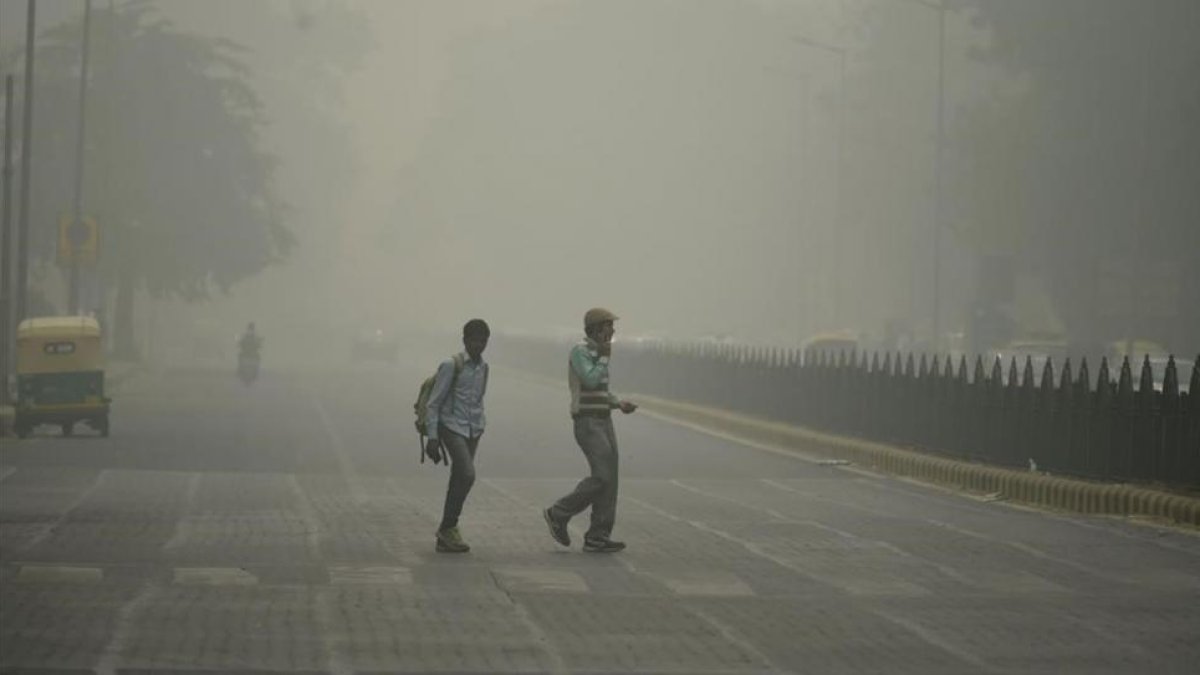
x=598, y=441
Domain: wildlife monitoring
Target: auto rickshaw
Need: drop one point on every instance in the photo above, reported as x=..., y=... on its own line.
x=60, y=375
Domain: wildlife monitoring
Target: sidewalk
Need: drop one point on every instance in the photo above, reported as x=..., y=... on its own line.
x=116, y=374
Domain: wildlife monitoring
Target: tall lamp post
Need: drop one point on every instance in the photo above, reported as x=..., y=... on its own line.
x=840, y=53
x=22, y=285
x=73, y=305
x=936, y=310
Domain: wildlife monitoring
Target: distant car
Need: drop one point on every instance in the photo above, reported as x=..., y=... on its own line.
x=1037, y=351
x=375, y=345
x=831, y=344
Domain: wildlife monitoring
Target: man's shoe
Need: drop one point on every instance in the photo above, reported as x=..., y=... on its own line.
x=450, y=541
x=603, y=546
x=558, y=529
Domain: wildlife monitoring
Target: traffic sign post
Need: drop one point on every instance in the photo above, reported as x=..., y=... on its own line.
x=78, y=241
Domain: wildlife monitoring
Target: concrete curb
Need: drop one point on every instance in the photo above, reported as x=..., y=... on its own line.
x=1038, y=489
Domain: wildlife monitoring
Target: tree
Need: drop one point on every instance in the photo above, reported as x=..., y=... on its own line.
x=1095, y=164
x=175, y=170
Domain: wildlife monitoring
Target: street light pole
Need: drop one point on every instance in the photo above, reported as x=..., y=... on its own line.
x=26, y=164
x=936, y=318
x=937, y=185
x=77, y=222
x=836, y=258
x=6, y=274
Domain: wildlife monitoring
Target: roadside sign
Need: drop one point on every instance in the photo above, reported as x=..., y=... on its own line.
x=78, y=241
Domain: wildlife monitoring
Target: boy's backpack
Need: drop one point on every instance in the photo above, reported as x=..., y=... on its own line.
x=421, y=407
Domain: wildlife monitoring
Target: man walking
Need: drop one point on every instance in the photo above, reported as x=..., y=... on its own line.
x=455, y=420
x=591, y=409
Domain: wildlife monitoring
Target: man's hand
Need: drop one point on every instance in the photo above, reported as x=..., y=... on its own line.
x=433, y=450
x=627, y=406
x=604, y=348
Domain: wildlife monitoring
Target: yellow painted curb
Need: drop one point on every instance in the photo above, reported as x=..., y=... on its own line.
x=1070, y=494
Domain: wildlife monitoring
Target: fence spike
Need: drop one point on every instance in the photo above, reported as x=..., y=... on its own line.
x=874, y=362
x=978, y=375
x=1146, y=379
x=1171, y=382
x=1027, y=373
x=909, y=371
x=1048, y=375
x=1066, y=380
x=1194, y=387
x=1105, y=381
x=923, y=368
x=997, y=372
x=1104, y=387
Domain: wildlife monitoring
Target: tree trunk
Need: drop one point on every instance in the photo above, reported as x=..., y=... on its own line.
x=124, y=345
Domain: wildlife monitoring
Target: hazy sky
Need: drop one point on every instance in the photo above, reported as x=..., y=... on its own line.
x=686, y=163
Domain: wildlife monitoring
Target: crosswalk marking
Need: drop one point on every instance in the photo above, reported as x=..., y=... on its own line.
x=390, y=576
x=214, y=576
x=60, y=574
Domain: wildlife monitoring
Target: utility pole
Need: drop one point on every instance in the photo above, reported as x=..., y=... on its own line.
x=22, y=300
x=77, y=223
x=6, y=272
x=937, y=185
x=835, y=261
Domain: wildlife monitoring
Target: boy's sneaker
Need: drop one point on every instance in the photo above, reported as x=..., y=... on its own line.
x=558, y=529
x=450, y=541
x=603, y=546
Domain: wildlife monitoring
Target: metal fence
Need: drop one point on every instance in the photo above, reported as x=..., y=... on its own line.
x=1062, y=420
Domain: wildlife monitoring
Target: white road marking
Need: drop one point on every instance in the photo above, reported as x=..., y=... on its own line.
x=59, y=574
x=312, y=524
x=214, y=576
x=345, y=575
x=110, y=658
x=558, y=664
x=1029, y=550
x=734, y=638
x=337, y=659
x=345, y=464
x=183, y=526
x=543, y=579
x=935, y=640
x=83, y=496
x=731, y=438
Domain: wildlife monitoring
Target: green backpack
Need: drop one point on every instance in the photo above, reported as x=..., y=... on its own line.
x=421, y=406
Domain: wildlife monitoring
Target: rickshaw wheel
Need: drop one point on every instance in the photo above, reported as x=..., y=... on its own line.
x=68, y=428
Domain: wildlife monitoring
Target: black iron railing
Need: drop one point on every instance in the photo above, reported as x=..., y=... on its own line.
x=1062, y=419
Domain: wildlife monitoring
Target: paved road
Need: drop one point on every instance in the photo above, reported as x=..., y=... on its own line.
x=289, y=526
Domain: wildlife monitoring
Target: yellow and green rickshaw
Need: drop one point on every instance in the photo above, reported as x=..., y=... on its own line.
x=60, y=375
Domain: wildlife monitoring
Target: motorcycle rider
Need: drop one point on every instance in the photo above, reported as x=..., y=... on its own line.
x=250, y=343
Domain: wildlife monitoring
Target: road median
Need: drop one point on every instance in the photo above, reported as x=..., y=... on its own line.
x=1024, y=487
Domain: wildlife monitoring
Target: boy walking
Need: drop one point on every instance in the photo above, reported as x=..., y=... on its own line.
x=455, y=420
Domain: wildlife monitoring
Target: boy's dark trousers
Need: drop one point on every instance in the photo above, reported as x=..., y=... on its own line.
x=461, y=451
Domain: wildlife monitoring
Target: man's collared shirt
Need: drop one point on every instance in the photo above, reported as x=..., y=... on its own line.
x=461, y=410
x=588, y=371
